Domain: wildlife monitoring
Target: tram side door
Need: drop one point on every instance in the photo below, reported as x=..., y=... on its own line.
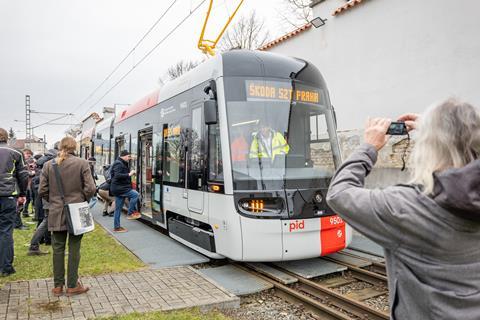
x=196, y=162
x=158, y=158
x=145, y=159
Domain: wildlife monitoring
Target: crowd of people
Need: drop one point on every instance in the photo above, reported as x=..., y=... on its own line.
x=429, y=228
x=29, y=185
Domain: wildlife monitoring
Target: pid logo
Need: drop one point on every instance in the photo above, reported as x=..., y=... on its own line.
x=297, y=225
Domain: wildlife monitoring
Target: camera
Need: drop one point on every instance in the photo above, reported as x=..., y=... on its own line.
x=397, y=129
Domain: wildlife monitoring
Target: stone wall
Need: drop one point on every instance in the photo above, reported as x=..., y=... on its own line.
x=387, y=170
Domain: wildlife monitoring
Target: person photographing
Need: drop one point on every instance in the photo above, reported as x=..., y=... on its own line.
x=430, y=228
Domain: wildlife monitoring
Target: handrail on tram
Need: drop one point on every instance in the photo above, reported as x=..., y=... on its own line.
x=208, y=46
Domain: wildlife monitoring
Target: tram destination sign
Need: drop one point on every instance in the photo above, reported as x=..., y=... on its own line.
x=261, y=90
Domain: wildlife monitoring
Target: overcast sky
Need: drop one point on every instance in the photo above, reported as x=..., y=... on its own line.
x=59, y=51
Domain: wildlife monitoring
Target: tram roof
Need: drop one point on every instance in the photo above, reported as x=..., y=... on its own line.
x=244, y=63
x=209, y=69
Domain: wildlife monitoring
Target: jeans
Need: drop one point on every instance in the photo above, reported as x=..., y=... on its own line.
x=39, y=211
x=30, y=197
x=8, y=213
x=132, y=196
x=59, y=241
x=18, y=217
x=92, y=202
x=40, y=233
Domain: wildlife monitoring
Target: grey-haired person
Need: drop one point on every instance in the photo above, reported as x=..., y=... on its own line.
x=429, y=228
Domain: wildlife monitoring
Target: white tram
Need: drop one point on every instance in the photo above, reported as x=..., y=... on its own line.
x=200, y=178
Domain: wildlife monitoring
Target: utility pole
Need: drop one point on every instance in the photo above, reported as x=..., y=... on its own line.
x=28, y=124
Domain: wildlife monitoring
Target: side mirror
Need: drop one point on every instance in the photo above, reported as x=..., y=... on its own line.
x=210, y=112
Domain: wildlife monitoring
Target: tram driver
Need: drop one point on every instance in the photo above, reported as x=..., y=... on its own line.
x=268, y=143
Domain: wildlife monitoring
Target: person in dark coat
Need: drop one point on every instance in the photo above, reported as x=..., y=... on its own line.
x=430, y=228
x=13, y=176
x=121, y=188
x=41, y=235
x=78, y=186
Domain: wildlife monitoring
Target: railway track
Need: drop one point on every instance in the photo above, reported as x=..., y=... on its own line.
x=322, y=298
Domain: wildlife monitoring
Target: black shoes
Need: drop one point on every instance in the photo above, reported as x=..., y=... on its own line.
x=104, y=213
x=37, y=252
x=6, y=274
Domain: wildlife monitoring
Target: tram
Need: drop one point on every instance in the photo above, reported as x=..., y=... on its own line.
x=201, y=174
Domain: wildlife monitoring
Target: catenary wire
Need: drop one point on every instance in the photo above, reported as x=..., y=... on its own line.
x=145, y=56
x=125, y=58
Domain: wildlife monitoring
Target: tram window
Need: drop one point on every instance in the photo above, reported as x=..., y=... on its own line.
x=320, y=146
x=196, y=140
x=133, y=163
x=157, y=167
x=174, y=153
x=318, y=127
x=215, y=154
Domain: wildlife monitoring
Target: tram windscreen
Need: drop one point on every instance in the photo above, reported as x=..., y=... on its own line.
x=279, y=134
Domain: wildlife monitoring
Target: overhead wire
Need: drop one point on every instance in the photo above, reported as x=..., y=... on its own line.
x=125, y=58
x=146, y=56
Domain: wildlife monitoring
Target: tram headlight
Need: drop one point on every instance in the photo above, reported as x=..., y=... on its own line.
x=318, y=197
x=261, y=205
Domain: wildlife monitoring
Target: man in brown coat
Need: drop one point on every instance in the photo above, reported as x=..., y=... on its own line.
x=78, y=186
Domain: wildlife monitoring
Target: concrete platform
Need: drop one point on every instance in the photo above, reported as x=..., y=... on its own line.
x=311, y=268
x=148, y=244
x=366, y=245
x=151, y=290
x=235, y=280
x=360, y=263
x=364, y=255
x=272, y=272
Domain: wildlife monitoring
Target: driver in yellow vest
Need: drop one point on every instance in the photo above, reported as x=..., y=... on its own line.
x=268, y=143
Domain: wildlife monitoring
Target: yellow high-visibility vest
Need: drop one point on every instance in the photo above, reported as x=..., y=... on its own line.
x=278, y=146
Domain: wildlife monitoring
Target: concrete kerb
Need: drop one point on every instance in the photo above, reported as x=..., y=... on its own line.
x=235, y=299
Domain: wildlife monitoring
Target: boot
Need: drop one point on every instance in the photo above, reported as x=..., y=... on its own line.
x=79, y=289
x=57, y=291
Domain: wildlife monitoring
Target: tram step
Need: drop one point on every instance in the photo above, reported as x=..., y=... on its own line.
x=192, y=234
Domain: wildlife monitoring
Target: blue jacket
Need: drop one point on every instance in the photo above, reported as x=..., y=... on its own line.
x=121, y=182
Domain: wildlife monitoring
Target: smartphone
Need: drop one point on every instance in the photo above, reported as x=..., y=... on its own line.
x=397, y=129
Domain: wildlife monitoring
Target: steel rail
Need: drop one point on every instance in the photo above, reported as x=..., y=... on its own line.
x=319, y=308
x=323, y=298
x=362, y=274
x=378, y=267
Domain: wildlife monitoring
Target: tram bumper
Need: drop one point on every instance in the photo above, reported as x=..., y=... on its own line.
x=283, y=240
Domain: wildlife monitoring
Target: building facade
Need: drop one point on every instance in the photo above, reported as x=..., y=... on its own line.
x=383, y=58
x=386, y=57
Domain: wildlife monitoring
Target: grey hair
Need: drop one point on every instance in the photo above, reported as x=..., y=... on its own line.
x=448, y=137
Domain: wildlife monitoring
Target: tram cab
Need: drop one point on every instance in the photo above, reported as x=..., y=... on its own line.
x=235, y=157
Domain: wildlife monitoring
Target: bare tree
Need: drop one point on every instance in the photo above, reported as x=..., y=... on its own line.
x=295, y=13
x=180, y=68
x=247, y=33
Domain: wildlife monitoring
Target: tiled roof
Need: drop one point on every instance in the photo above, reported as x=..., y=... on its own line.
x=285, y=37
x=346, y=6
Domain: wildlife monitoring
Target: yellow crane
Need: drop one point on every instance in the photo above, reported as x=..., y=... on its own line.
x=208, y=46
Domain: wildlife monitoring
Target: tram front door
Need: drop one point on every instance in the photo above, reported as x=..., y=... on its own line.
x=145, y=173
